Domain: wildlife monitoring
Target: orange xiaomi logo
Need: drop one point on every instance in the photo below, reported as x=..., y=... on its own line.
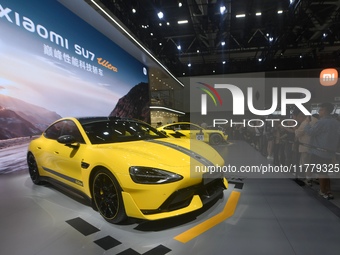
x=329, y=77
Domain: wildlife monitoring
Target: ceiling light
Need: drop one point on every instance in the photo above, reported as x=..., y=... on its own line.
x=222, y=9
x=180, y=4
x=223, y=62
x=130, y=36
x=258, y=14
x=160, y=24
x=168, y=23
x=279, y=12
x=198, y=51
x=240, y=15
x=151, y=34
x=179, y=47
x=134, y=10
x=189, y=65
x=271, y=39
x=183, y=21
x=260, y=59
x=160, y=44
x=223, y=43
x=160, y=15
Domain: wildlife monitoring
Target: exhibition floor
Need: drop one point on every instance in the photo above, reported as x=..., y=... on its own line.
x=272, y=216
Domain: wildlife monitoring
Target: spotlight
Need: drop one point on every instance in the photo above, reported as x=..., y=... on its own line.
x=160, y=15
x=223, y=9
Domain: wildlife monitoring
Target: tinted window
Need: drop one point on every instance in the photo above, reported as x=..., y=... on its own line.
x=70, y=128
x=54, y=131
x=185, y=127
x=172, y=127
x=64, y=127
x=194, y=127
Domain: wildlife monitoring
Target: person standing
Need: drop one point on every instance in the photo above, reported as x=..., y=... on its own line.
x=304, y=140
x=324, y=142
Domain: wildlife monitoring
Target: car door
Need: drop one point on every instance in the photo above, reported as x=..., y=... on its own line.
x=62, y=161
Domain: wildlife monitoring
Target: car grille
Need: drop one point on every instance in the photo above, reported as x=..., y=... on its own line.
x=182, y=198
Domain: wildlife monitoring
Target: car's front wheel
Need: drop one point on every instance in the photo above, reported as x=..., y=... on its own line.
x=33, y=169
x=215, y=139
x=107, y=196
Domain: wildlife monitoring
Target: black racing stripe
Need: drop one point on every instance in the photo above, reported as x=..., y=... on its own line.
x=68, y=178
x=190, y=153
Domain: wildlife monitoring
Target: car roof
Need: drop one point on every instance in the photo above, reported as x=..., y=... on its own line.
x=86, y=120
x=183, y=122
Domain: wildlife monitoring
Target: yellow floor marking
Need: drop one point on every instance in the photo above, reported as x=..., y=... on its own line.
x=228, y=211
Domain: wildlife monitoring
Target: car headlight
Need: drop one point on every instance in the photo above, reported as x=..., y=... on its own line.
x=149, y=175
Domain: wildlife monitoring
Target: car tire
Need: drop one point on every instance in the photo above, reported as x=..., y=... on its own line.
x=33, y=169
x=107, y=197
x=215, y=139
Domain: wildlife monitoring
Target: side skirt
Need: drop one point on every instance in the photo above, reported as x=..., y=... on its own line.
x=70, y=191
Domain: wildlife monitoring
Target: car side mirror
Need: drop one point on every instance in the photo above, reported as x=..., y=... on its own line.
x=68, y=140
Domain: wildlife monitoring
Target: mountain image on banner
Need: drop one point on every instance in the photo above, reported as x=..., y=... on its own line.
x=135, y=104
x=19, y=118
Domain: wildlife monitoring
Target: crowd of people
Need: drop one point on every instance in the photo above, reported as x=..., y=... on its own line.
x=314, y=140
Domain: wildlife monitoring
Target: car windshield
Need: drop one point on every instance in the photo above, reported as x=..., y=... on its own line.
x=114, y=131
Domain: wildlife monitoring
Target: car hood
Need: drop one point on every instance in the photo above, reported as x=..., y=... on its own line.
x=165, y=153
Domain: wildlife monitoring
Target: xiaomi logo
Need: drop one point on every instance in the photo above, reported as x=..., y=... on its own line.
x=329, y=77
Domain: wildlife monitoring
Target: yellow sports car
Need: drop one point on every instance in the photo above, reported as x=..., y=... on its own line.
x=193, y=131
x=125, y=168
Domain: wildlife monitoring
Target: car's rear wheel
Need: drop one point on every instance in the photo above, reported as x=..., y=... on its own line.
x=215, y=139
x=33, y=169
x=107, y=196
